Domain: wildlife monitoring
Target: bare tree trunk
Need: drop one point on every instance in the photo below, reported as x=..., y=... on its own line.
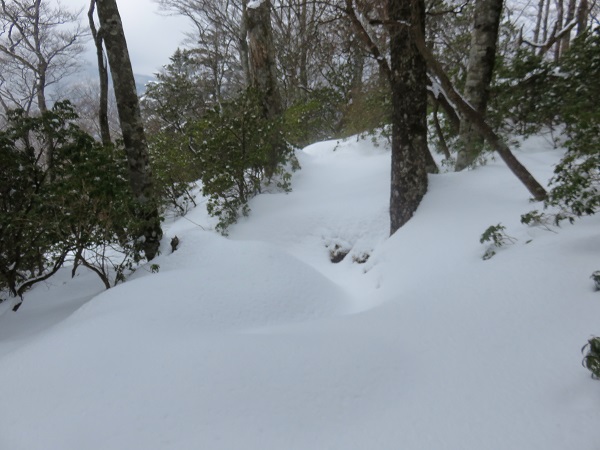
x=243, y=43
x=263, y=73
x=409, y=111
x=439, y=131
x=546, y=20
x=582, y=16
x=103, y=77
x=560, y=12
x=538, y=21
x=132, y=127
x=480, y=69
x=566, y=40
x=262, y=57
x=303, y=47
x=42, y=65
x=384, y=68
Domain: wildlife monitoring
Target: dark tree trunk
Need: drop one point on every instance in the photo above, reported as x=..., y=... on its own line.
x=132, y=128
x=409, y=111
x=480, y=69
x=385, y=70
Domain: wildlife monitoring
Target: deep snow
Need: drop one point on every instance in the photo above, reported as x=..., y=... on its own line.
x=258, y=341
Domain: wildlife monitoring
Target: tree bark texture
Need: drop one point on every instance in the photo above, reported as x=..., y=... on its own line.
x=263, y=75
x=480, y=69
x=409, y=111
x=132, y=128
x=582, y=16
x=243, y=44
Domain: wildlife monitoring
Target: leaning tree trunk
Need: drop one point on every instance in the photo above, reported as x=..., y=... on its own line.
x=409, y=111
x=480, y=69
x=132, y=128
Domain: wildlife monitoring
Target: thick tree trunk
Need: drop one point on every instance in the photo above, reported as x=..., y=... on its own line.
x=479, y=75
x=582, y=16
x=134, y=138
x=263, y=75
x=409, y=111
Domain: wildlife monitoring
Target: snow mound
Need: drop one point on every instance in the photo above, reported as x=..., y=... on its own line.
x=227, y=285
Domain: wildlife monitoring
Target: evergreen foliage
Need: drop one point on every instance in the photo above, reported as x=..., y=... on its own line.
x=565, y=95
x=526, y=75
x=78, y=203
x=314, y=118
x=234, y=144
x=576, y=180
x=175, y=168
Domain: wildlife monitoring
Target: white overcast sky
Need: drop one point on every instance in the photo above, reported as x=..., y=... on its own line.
x=151, y=37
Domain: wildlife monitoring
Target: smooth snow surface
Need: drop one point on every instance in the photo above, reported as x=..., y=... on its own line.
x=258, y=341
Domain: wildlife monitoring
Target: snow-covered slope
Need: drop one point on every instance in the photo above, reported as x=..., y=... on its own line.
x=259, y=342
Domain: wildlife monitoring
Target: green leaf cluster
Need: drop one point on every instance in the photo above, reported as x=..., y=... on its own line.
x=591, y=360
x=239, y=152
x=576, y=181
x=496, y=235
x=314, y=118
x=62, y=195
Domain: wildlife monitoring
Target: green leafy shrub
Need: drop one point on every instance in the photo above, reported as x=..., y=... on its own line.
x=314, y=118
x=368, y=111
x=524, y=76
x=575, y=185
x=497, y=237
x=175, y=168
x=596, y=277
x=591, y=360
x=239, y=154
x=63, y=195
